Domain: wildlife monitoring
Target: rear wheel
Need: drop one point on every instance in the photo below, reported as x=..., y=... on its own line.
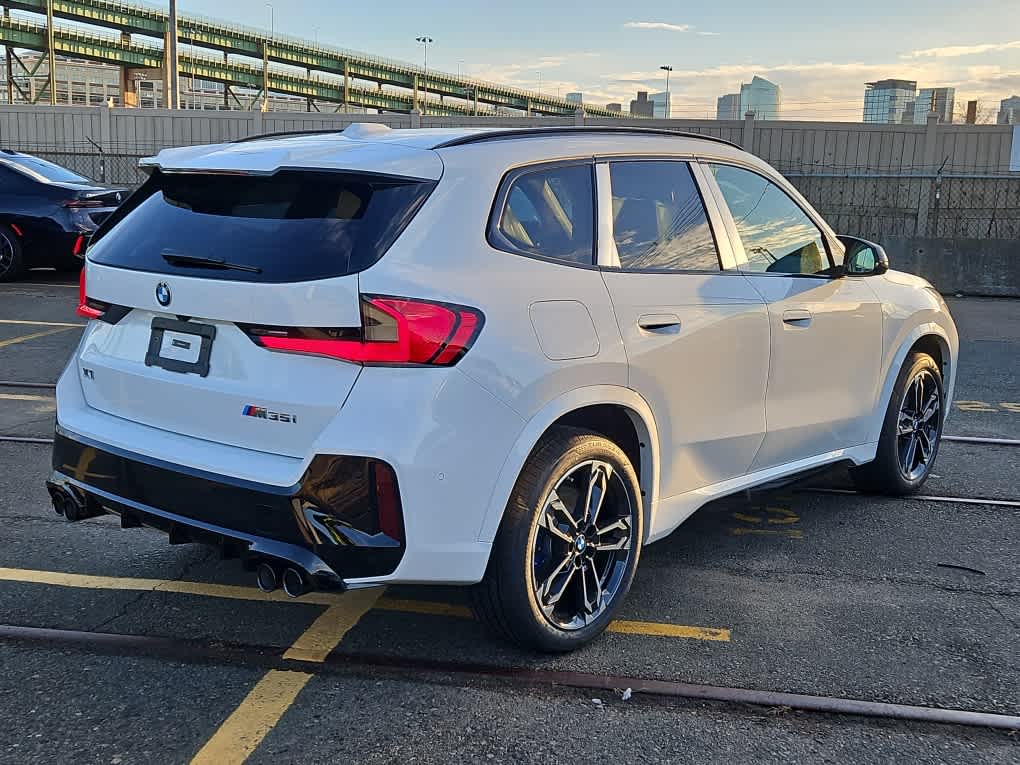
x=568, y=546
x=910, y=433
x=11, y=259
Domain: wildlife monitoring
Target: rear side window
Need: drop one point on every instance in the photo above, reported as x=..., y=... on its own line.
x=291, y=226
x=659, y=220
x=548, y=213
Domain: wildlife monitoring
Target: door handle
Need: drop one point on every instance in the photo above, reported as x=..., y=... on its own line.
x=797, y=317
x=664, y=323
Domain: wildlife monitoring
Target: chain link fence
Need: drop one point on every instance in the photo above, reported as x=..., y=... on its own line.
x=907, y=203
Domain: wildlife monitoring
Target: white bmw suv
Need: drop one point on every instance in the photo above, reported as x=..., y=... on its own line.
x=501, y=358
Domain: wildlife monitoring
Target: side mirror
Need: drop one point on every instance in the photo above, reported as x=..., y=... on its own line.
x=863, y=258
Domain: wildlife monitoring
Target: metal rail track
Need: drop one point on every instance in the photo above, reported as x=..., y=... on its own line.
x=271, y=657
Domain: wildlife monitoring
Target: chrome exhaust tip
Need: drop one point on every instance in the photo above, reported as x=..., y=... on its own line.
x=265, y=577
x=295, y=583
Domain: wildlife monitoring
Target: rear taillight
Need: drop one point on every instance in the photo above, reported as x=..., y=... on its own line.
x=87, y=307
x=79, y=245
x=83, y=204
x=393, y=331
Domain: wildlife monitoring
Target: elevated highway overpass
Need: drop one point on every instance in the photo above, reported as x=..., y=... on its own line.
x=315, y=71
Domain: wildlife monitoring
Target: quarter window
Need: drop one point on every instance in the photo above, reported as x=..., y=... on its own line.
x=777, y=235
x=659, y=219
x=549, y=213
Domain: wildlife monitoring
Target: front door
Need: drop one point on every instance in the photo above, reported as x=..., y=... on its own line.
x=826, y=328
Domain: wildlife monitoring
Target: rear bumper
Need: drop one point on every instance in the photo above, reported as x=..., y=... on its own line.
x=326, y=523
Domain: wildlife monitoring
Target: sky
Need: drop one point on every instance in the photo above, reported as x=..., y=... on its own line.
x=820, y=52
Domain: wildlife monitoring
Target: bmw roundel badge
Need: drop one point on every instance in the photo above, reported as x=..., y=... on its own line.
x=163, y=294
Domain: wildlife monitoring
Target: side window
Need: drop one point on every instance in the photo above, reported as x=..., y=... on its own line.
x=659, y=219
x=777, y=234
x=549, y=213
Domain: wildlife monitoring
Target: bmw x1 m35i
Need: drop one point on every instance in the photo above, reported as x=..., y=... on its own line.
x=507, y=359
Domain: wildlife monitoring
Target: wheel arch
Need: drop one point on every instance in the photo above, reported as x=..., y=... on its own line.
x=931, y=338
x=600, y=408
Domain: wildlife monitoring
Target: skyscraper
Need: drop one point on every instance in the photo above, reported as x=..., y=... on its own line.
x=1009, y=111
x=641, y=106
x=660, y=105
x=762, y=97
x=938, y=100
x=728, y=107
x=887, y=100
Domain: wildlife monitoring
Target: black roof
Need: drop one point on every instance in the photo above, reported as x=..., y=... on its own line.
x=511, y=133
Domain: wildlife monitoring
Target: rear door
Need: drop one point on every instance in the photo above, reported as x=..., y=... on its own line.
x=826, y=328
x=697, y=337
x=197, y=270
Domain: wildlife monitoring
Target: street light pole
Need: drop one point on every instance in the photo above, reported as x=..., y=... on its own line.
x=669, y=101
x=425, y=41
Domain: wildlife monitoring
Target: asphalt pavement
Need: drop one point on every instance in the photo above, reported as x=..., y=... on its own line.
x=904, y=601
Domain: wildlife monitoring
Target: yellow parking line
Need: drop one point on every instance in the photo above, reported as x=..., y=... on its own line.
x=326, y=632
x=424, y=607
x=40, y=323
x=235, y=592
x=242, y=732
x=33, y=336
x=658, y=629
x=24, y=397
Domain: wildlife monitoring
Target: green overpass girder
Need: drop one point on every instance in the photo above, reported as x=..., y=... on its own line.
x=22, y=34
x=204, y=33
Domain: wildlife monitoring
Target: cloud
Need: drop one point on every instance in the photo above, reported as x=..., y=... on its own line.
x=708, y=34
x=955, y=51
x=658, y=25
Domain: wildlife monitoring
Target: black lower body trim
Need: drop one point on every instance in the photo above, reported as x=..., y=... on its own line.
x=327, y=524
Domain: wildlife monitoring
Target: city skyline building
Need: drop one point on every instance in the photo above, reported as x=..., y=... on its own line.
x=642, y=106
x=941, y=101
x=1009, y=111
x=762, y=97
x=889, y=100
x=728, y=107
x=660, y=101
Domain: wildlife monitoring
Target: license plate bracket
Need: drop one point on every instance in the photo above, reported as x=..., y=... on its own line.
x=177, y=334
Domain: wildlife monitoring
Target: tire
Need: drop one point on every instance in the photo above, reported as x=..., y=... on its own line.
x=889, y=472
x=11, y=256
x=567, y=614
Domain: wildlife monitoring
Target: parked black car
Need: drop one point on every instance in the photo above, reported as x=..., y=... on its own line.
x=47, y=214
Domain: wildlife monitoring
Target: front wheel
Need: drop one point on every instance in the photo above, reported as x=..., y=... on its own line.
x=911, y=431
x=568, y=546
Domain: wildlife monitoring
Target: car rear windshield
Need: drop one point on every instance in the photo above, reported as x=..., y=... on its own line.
x=41, y=170
x=291, y=226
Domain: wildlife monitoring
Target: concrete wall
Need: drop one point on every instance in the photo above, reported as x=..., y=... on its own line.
x=989, y=267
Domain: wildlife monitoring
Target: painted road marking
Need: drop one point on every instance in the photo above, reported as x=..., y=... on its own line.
x=326, y=632
x=33, y=336
x=260, y=711
x=984, y=406
x=755, y=524
x=242, y=732
x=41, y=323
x=24, y=397
x=235, y=592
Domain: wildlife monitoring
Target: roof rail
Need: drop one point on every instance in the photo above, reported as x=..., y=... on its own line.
x=284, y=134
x=509, y=133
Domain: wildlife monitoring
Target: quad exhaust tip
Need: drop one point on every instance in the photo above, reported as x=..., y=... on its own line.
x=295, y=583
x=293, y=580
x=265, y=577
